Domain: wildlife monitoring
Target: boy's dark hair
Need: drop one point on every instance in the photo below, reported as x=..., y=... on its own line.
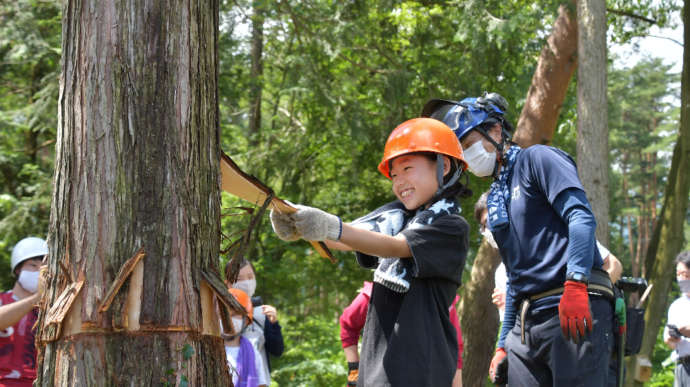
x=480, y=206
x=232, y=269
x=456, y=190
x=684, y=258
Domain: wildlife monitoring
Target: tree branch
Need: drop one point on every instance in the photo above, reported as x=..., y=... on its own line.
x=631, y=15
x=667, y=38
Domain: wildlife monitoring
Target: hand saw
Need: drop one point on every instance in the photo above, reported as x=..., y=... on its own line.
x=236, y=182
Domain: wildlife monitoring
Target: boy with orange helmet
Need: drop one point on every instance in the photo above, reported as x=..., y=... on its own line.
x=417, y=246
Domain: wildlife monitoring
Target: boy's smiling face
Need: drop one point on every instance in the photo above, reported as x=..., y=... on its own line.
x=414, y=179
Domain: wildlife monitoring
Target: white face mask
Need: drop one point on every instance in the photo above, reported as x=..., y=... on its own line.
x=479, y=161
x=489, y=238
x=28, y=280
x=684, y=286
x=238, y=324
x=247, y=286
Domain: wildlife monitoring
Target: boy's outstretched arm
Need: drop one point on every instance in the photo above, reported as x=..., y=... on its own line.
x=374, y=243
x=314, y=224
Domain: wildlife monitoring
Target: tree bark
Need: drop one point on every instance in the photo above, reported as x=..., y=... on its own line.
x=256, y=70
x=555, y=68
x=137, y=167
x=479, y=317
x=667, y=238
x=592, y=120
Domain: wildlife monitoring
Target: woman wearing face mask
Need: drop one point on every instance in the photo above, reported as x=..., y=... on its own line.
x=677, y=331
x=18, y=314
x=264, y=332
x=244, y=361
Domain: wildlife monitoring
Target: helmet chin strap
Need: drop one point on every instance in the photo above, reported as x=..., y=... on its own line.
x=439, y=176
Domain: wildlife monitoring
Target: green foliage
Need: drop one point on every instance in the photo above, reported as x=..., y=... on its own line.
x=629, y=19
x=662, y=370
x=29, y=68
x=313, y=355
x=662, y=366
x=643, y=126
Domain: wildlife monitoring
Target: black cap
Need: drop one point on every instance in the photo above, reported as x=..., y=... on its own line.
x=437, y=108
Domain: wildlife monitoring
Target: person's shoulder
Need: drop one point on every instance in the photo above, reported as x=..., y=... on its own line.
x=450, y=226
x=452, y=220
x=539, y=151
x=544, y=158
x=680, y=302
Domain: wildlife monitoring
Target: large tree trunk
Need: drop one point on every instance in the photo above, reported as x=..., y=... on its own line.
x=592, y=120
x=555, y=69
x=537, y=124
x=667, y=238
x=137, y=167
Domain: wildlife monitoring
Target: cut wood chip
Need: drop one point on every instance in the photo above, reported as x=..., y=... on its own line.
x=57, y=312
x=236, y=182
x=217, y=285
x=120, y=279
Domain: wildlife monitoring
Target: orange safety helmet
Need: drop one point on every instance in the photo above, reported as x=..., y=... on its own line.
x=421, y=135
x=244, y=300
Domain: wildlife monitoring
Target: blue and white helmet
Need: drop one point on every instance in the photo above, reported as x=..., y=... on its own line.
x=468, y=114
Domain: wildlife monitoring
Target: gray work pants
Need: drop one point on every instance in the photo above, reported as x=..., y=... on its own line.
x=547, y=359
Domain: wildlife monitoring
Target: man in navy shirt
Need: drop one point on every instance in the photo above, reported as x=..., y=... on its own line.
x=544, y=227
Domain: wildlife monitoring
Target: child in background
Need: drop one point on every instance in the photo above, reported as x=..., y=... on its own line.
x=264, y=332
x=417, y=246
x=246, y=366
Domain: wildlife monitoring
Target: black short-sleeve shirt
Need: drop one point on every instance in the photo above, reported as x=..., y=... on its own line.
x=408, y=338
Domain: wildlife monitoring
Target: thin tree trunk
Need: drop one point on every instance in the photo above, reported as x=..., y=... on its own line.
x=638, y=247
x=628, y=218
x=256, y=71
x=667, y=238
x=479, y=317
x=654, y=193
x=136, y=168
x=555, y=68
x=592, y=128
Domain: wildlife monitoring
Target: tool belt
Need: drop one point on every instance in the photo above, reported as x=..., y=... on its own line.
x=599, y=285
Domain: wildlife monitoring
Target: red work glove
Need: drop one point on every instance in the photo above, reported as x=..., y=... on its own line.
x=574, y=312
x=499, y=367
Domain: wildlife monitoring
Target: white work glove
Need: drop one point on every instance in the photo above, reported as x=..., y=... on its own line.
x=284, y=226
x=317, y=225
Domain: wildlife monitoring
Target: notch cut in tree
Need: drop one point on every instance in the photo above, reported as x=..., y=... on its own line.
x=120, y=279
x=247, y=187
